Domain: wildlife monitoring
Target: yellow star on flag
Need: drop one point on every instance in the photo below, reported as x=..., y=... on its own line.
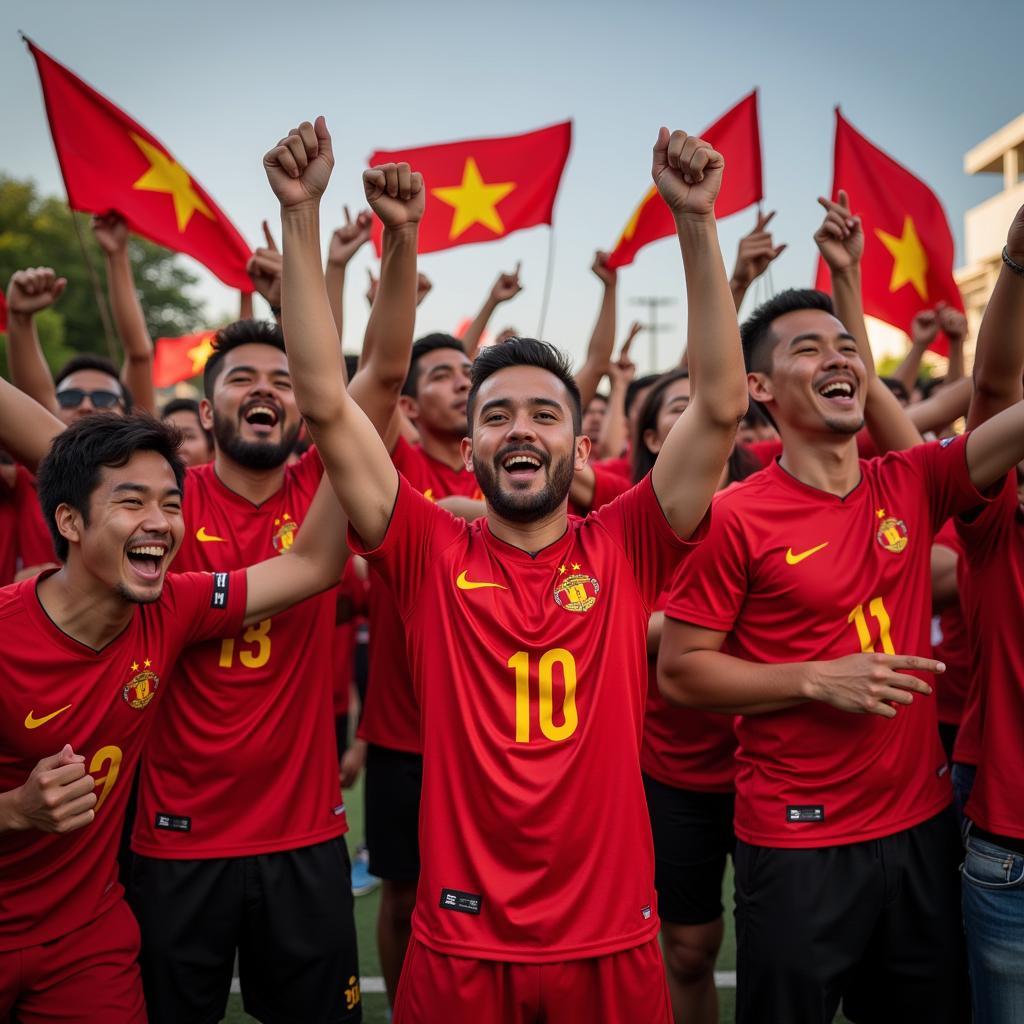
x=910, y=263
x=474, y=200
x=164, y=175
x=200, y=353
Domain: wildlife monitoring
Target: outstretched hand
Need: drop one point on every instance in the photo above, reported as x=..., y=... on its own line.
x=111, y=231
x=346, y=240
x=507, y=286
x=395, y=193
x=264, y=268
x=33, y=290
x=605, y=274
x=299, y=166
x=756, y=251
x=840, y=239
x=687, y=172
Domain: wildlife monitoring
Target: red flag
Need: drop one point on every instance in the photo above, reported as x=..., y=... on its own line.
x=480, y=190
x=178, y=359
x=736, y=136
x=908, y=248
x=111, y=162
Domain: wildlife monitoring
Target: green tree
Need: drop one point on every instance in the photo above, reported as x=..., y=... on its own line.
x=38, y=231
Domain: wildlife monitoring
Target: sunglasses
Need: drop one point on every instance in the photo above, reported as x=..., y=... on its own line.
x=72, y=398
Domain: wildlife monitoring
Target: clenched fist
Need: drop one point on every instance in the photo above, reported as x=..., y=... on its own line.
x=687, y=172
x=396, y=194
x=34, y=289
x=299, y=166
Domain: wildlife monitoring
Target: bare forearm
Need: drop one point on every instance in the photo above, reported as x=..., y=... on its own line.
x=27, y=364
x=906, y=373
x=387, y=345
x=334, y=280
x=475, y=331
x=955, y=370
x=26, y=428
x=945, y=406
x=739, y=292
x=849, y=305
x=602, y=343
x=999, y=356
x=615, y=426
x=131, y=329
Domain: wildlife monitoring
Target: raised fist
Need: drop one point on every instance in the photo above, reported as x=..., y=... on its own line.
x=600, y=267
x=688, y=173
x=346, y=240
x=953, y=323
x=395, y=193
x=924, y=327
x=756, y=251
x=840, y=239
x=110, y=231
x=507, y=286
x=33, y=290
x=299, y=166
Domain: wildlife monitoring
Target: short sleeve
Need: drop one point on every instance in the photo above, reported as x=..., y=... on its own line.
x=638, y=525
x=417, y=532
x=308, y=470
x=985, y=533
x=35, y=546
x=608, y=485
x=208, y=604
x=947, y=478
x=709, y=588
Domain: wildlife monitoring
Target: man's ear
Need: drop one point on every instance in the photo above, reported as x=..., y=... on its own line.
x=69, y=523
x=583, y=446
x=206, y=414
x=651, y=441
x=466, y=450
x=409, y=406
x=759, y=386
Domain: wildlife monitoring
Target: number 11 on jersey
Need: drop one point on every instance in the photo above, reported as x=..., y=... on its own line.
x=520, y=662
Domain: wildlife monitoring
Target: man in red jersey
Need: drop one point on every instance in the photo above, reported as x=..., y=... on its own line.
x=818, y=557
x=993, y=871
x=525, y=634
x=87, y=655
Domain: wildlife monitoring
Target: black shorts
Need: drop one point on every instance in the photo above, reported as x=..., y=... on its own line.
x=341, y=734
x=692, y=838
x=289, y=915
x=875, y=925
x=394, y=779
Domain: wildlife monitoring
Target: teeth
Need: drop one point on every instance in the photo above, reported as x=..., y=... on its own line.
x=837, y=389
x=261, y=410
x=522, y=460
x=151, y=549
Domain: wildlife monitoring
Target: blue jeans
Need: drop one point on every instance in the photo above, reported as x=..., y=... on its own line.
x=993, y=894
x=963, y=782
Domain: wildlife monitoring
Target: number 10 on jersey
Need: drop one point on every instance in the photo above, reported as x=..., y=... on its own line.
x=545, y=671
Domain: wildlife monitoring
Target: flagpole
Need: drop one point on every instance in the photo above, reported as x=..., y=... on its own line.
x=101, y=299
x=549, y=273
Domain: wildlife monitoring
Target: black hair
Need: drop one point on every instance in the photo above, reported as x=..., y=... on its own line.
x=599, y=395
x=525, y=352
x=929, y=385
x=71, y=470
x=428, y=343
x=241, y=332
x=635, y=386
x=351, y=365
x=187, y=405
x=756, y=331
x=756, y=416
x=88, y=361
x=897, y=387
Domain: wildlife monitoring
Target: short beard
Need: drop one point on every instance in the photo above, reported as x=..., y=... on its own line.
x=253, y=454
x=526, y=508
x=843, y=426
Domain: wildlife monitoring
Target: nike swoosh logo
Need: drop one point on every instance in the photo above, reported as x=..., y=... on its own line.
x=31, y=722
x=463, y=584
x=792, y=559
x=202, y=535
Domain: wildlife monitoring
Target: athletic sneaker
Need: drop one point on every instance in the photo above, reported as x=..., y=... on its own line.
x=362, y=881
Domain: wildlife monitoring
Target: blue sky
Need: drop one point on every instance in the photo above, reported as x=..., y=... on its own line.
x=219, y=82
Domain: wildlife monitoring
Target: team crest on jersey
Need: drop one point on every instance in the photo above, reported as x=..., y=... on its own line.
x=892, y=534
x=284, y=533
x=142, y=686
x=575, y=590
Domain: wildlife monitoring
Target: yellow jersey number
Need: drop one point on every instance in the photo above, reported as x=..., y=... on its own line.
x=520, y=662
x=865, y=634
x=104, y=768
x=256, y=655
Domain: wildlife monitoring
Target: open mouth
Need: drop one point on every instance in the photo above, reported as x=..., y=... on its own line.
x=839, y=392
x=261, y=417
x=522, y=465
x=147, y=559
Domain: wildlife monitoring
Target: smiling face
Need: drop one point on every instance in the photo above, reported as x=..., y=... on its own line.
x=133, y=528
x=82, y=384
x=524, y=448
x=253, y=414
x=442, y=387
x=593, y=417
x=817, y=380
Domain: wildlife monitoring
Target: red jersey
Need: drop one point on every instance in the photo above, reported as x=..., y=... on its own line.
x=24, y=537
x=608, y=485
x=949, y=641
x=535, y=842
x=795, y=574
x=56, y=691
x=766, y=452
x=686, y=747
x=621, y=465
x=994, y=548
x=244, y=760
x=391, y=714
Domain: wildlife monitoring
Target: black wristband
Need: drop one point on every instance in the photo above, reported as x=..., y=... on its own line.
x=1012, y=264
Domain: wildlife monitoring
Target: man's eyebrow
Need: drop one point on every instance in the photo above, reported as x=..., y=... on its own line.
x=506, y=403
x=252, y=369
x=815, y=336
x=144, y=489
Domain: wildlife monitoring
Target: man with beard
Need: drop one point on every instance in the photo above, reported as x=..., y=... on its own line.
x=238, y=839
x=519, y=914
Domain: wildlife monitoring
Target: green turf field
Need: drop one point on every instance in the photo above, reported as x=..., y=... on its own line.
x=375, y=1006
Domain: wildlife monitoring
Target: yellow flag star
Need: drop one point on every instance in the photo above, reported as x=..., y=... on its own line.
x=910, y=263
x=164, y=175
x=200, y=353
x=475, y=201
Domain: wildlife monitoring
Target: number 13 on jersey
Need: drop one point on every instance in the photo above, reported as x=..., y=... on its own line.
x=544, y=673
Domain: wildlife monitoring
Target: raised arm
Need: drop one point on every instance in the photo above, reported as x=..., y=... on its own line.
x=506, y=287
x=756, y=252
x=30, y=292
x=840, y=240
x=688, y=173
x=344, y=244
x=615, y=427
x=355, y=459
x=602, y=338
x=26, y=428
x=264, y=269
x=954, y=326
x=111, y=232
x=924, y=328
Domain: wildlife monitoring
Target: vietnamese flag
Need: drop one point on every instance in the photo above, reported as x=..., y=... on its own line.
x=736, y=136
x=907, y=264
x=110, y=162
x=484, y=189
x=182, y=358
